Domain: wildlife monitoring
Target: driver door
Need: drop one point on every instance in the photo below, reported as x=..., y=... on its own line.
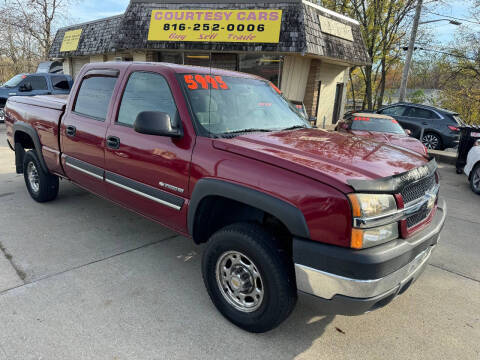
x=33, y=85
x=147, y=173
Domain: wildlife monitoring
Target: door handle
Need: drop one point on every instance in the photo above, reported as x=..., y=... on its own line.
x=425, y=123
x=113, y=142
x=71, y=130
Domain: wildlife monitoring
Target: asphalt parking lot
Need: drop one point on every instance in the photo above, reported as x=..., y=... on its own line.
x=81, y=278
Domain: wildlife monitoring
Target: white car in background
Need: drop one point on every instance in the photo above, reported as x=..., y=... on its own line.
x=472, y=169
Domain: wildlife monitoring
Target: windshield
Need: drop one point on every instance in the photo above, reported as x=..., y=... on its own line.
x=377, y=125
x=227, y=105
x=15, y=80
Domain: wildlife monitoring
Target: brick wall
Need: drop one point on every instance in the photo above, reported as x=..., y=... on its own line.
x=311, y=91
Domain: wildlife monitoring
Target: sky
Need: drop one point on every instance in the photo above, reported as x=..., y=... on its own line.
x=87, y=10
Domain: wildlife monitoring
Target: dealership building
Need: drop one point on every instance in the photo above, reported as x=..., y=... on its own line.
x=304, y=49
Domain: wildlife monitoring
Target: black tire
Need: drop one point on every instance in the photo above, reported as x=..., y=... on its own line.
x=45, y=186
x=432, y=141
x=274, y=267
x=475, y=179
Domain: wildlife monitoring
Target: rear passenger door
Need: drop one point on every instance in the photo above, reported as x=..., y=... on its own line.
x=84, y=126
x=148, y=173
x=423, y=118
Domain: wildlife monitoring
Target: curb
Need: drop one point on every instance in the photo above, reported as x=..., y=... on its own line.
x=444, y=156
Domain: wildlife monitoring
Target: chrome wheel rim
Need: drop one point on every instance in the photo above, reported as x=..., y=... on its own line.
x=430, y=141
x=476, y=179
x=33, y=177
x=239, y=281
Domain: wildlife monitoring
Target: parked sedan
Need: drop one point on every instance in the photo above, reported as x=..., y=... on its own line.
x=472, y=169
x=437, y=128
x=380, y=128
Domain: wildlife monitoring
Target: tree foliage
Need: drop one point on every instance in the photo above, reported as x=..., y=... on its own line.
x=27, y=29
x=383, y=24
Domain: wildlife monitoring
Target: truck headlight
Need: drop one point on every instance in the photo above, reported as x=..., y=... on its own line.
x=365, y=238
x=371, y=205
x=368, y=207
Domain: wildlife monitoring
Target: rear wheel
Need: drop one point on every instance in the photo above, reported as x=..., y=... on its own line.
x=432, y=141
x=42, y=186
x=475, y=179
x=248, y=278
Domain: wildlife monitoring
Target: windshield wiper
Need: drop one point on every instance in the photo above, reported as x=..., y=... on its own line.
x=245, y=131
x=294, y=127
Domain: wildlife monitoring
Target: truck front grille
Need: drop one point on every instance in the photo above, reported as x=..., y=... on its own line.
x=418, y=217
x=417, y=189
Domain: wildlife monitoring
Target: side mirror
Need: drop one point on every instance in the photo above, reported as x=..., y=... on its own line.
x=408, y=132
x=25, y=87
x=156, y=123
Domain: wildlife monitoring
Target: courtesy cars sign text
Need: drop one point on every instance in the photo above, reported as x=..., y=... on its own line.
x=258, y=26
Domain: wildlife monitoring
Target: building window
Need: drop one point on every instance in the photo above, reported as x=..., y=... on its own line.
x=197, y=59
x=266, y=66
x=171, y=57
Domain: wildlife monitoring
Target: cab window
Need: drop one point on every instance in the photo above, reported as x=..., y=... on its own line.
x=94, y=97
x=145, y=92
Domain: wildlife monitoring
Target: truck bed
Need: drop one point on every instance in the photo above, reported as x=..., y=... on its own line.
x=43, y=113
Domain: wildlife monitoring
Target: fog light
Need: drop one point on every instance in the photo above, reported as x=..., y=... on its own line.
x=362, y=239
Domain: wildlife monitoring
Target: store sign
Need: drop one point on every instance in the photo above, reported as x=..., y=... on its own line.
x=335, y=28
x=257, y=26
x=70, y=40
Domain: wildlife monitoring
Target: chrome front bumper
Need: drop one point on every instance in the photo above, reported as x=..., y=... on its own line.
x=326, y=285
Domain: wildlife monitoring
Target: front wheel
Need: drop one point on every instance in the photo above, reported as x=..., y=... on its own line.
x=41, y=185
x=248, y=278
x=475, y=179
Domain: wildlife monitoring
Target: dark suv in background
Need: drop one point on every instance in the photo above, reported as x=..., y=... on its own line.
x=436, y=128
x=34, y=84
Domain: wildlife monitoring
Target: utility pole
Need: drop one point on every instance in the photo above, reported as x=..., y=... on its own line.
x=411, y=46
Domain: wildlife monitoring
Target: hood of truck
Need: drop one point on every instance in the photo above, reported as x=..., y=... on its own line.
x=329, y=157
x=6, y=92
x=401, y=140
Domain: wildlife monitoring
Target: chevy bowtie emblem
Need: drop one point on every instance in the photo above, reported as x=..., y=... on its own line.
x=431, y=199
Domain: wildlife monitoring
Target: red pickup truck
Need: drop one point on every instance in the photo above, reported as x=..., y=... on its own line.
x=223, y=158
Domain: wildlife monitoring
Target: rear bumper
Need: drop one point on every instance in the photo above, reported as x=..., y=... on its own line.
x=362, y=292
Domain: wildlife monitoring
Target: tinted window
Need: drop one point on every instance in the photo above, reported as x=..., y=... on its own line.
x=60, y=83
x=37, y=82
x=394, y=110
x=421, y=113
x=17, y=79
x=145, y=92
x=94, y=96
x=377, y=125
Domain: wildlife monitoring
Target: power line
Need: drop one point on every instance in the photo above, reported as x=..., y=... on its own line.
x=444, y=53
x=453, y=17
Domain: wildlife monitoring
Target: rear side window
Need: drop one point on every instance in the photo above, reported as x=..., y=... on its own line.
x=145, y=92
x=394, y=110
x=421, y=113
x=94, y=96
x=60, y=83
x=37, y=82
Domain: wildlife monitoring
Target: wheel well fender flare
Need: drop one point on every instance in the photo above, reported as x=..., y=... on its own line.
x=287, y=213
x=21, y=126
